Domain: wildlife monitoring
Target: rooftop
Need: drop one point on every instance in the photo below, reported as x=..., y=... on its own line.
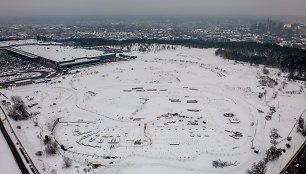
x=59, y=53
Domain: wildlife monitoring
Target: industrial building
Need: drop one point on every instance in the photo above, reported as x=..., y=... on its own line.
x=61, y=57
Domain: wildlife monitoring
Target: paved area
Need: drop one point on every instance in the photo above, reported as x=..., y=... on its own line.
x=297, y=164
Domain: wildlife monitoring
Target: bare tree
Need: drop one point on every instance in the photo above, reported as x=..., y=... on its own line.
x=67, y=162
x=18, y=110
x=259, y=168
x=51, y=148
x=221, y=164
x=273, y=153
x=265, y=71
x=301, y=126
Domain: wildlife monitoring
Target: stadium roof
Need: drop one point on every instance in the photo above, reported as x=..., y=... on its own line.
x=29, y=55
x=59, y=53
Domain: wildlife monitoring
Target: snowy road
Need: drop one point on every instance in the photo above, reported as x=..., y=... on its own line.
x=7, y=161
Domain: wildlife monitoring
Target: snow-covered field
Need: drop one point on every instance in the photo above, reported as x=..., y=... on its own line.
x=118, y=117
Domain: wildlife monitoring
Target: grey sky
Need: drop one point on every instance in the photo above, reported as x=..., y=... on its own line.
x=152, y=7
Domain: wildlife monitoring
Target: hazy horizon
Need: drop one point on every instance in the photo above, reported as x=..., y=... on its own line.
x=153, y=8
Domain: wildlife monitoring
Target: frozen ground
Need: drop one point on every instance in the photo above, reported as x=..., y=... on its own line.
x=7, y=160
x=118, y=117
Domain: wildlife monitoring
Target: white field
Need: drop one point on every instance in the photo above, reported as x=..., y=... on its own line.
x=91, y=122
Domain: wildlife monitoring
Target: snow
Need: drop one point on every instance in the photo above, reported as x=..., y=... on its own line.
x=59, y=53
x=7, y=160
x=104, y=109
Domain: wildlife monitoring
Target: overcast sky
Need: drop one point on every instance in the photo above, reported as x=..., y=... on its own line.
x=152, y=7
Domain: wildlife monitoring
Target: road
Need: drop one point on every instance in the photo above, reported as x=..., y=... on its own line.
x=297, y=163
x=8, y=163
x=10, y=143
x=22, y=158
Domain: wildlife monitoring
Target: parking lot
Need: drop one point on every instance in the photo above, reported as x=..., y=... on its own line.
x=15, y=68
